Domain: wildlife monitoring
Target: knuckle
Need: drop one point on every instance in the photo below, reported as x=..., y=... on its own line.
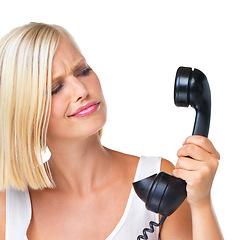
x=203, y=141
x=180, y=162
x=189, y=138
x=206, y=170
x=178, y=152
x=215, y=163
x=176, y=172
x=216, y=154
x=190, y=148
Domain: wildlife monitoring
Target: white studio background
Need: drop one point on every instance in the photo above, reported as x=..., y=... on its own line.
x=135, y=47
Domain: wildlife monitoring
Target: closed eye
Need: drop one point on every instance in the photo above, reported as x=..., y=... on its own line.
x=57, y=89
x=83, y=72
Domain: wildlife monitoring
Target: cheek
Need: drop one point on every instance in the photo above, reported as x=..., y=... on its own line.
x=56, y=109
x=57, y=113
x=96, y=88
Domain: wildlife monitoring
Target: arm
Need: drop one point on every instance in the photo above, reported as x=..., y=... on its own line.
x=205, y=225
x=199, y=172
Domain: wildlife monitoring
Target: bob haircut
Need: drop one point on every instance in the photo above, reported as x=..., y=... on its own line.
x=26, y=55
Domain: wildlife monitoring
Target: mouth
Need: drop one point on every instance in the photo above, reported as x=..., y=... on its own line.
x=86, y=110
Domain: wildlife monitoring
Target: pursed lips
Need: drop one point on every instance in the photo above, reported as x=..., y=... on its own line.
x=85, y=107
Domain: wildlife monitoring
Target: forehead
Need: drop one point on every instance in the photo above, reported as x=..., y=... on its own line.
x=66, y=57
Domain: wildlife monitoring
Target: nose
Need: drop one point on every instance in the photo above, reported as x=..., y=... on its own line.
x=78, y=89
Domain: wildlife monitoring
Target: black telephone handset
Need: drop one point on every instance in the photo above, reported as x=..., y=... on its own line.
x=164, y=193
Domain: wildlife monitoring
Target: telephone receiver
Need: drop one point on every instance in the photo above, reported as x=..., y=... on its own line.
x=164, y=193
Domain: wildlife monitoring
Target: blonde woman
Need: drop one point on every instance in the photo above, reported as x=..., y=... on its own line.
x=50, y=96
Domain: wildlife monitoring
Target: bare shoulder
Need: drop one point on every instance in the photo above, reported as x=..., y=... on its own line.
x=125, y=163
x=132, y=160
x=124, y=157
x=2, y=214
x=166, y=166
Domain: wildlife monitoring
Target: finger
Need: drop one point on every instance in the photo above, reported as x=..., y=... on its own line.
x=194, y=151
x=183, y=174
x=188, y=164
x=203, y=143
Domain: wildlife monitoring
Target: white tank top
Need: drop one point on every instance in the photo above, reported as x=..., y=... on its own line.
x=135, y=217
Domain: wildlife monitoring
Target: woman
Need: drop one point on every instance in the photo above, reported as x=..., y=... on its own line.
x=51, y=97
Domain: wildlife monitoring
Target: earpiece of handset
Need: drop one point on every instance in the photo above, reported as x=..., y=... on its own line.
x=164, y=193
x=192, y=88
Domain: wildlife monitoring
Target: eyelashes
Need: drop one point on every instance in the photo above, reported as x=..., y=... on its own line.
x=83, y=72
x=80, y=73
x=57, y=89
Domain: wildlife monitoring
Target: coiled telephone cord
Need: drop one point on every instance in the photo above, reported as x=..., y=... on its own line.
x=151, y=229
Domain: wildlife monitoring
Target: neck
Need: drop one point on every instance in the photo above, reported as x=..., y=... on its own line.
x=79, y=165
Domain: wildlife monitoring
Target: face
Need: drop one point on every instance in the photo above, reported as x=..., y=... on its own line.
x=78, y=107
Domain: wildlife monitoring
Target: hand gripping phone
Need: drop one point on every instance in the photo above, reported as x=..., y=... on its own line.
x=164, y=193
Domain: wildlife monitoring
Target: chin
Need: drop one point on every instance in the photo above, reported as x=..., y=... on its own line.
x=92, y=128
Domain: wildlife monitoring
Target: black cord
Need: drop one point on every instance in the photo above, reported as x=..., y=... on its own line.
x=151, y=229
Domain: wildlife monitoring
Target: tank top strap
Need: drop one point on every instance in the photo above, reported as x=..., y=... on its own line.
x=18, y=214
x=147, y=166
x=136, y=217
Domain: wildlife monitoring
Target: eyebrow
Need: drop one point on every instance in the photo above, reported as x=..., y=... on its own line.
x=80, y=64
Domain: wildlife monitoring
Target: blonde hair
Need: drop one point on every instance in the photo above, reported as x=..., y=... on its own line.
x=26, y=55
